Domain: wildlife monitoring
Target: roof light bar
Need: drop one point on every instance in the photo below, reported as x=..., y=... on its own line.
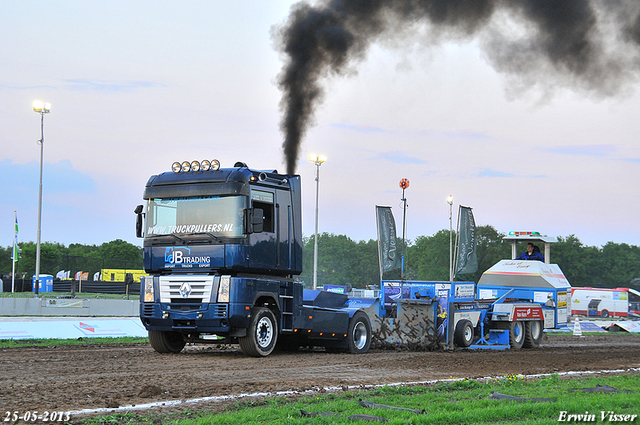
x=195, y=166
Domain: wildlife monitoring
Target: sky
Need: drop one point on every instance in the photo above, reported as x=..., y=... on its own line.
x=137, y=85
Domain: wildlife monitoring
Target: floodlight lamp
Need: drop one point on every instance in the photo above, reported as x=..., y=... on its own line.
x=450, y=200
x=38, y=105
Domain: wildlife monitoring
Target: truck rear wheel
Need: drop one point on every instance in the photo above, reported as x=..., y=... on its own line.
x=166, y=342
x=262, y=333
x=463, y=335
x=359, y=335
x=533, y=332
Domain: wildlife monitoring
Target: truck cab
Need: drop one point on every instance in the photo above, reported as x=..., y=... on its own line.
x=223, y=248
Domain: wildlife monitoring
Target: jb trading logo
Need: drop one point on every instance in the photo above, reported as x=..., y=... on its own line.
x=181, y=255
x=175, y=255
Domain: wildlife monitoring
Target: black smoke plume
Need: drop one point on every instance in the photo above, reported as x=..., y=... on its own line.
x=590, y=45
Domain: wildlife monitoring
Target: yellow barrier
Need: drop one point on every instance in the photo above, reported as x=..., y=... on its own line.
x=117, y=275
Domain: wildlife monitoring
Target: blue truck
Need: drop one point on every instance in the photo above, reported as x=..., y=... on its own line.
x=223, y=248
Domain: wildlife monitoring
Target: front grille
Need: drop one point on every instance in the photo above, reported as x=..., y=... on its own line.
x=186, y=300
x=185, y=307
x=147, y=309
x=185, y=289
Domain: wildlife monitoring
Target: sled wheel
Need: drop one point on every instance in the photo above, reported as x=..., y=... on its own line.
x=166, y=342
x=262, y=333
x=516, y=334
x=359, y=334
x=463, y=335
x=533, y=332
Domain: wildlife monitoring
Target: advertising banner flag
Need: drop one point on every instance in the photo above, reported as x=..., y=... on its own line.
x=467, y=260
x=389, y=257
x=14, y=252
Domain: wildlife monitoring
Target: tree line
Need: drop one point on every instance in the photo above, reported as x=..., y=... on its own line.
x=342, y=260
x=54, y=257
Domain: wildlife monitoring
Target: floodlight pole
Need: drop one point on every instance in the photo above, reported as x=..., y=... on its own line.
x=41, y=108
x=450, y=202
x=404, y=184
x=317, y=160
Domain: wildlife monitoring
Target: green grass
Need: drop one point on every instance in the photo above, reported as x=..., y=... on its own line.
x=8, y=343
x=457, y=402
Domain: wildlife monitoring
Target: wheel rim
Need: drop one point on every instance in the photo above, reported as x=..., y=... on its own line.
x=468, y=333
x=536, y=330
x=518, y=331
x=264, y=332
x=359, y=335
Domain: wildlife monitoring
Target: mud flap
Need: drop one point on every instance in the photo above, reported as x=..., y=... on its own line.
x=413, y=328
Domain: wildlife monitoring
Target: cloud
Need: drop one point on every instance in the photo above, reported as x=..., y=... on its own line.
x=467, y=134
x=58, y=178
x=111, y=86
x=588, y=150
x=487, y=172
x=398, y=157
x=361, y=129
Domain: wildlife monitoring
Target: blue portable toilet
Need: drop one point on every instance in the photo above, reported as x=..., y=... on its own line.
x=46, y=283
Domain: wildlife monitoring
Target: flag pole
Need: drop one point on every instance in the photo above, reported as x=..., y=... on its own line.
x=15, y=252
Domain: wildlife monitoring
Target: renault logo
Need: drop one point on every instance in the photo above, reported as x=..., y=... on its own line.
x=185, y=290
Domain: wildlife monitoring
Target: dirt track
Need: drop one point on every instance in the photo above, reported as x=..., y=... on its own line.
x=94, y=376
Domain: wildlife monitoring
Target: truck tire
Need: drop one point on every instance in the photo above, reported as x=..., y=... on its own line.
x=533, y=332
x=604, y=314
x=516, y=334
x=262, y=333
x=463, y=335
x=166, y=342
x=359, y=334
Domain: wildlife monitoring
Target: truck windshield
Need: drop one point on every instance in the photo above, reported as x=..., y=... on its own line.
x=220, y=216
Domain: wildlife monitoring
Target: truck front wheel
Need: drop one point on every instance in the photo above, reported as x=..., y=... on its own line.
x=262, y=333
x=533, y=334
x=166, y=342
x=359, y=336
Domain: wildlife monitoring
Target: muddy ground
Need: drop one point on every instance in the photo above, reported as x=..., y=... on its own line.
x=63, y=378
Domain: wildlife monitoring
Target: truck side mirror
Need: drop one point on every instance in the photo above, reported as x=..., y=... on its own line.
x=138, y=212
x=257, y=220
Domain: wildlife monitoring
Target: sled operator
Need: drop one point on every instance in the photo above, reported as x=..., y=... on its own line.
x=532, y=253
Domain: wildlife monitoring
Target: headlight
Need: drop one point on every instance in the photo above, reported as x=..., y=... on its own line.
x=148, y=289
x=223, y=289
